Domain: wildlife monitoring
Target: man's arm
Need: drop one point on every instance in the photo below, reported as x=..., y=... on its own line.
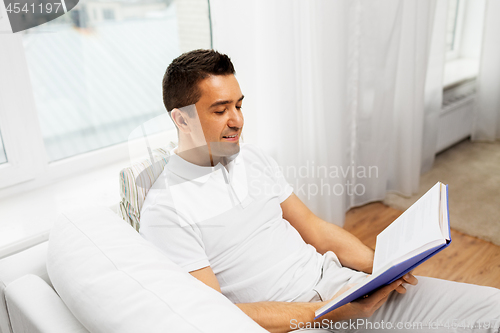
x=326, y=236
x=207, y=276
x=284, y=316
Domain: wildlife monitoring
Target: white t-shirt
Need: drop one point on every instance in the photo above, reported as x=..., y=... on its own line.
x=232, y=221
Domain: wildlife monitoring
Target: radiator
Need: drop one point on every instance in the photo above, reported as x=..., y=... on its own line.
x=456, y=116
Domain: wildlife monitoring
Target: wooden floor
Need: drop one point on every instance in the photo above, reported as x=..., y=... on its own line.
x=468, y=259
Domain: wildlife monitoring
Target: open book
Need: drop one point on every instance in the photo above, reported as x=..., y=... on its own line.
x=419, y=233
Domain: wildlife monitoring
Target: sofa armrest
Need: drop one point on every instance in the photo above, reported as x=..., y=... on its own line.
x=29, y=261
x=34, y=307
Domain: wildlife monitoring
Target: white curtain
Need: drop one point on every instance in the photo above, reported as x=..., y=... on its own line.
x=487, y=116
x=335, y=91
x=433, y=96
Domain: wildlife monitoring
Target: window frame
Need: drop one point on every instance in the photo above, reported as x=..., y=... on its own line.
x=18, y=120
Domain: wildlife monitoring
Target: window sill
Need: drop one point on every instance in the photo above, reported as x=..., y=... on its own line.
x=459, y=70
x=28, y=217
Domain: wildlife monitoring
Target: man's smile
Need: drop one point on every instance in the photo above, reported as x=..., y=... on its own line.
x=233, y=137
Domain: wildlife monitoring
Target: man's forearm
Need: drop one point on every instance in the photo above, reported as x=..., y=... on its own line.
x=326, y=236
x=349, y=249
x=279, y=316
x=286, y=316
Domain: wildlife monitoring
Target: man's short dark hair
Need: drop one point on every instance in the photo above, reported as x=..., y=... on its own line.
x=180, y=82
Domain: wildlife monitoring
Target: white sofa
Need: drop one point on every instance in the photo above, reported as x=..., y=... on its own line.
x=97, y=274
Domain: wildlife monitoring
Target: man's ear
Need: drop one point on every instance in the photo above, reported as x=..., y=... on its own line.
x=181, y=120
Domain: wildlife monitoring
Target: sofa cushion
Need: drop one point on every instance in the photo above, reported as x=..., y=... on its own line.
x=113, y=280
x=135, y=182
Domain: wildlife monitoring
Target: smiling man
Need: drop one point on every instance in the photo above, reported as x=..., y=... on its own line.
x=224, y=212
x=217, y=125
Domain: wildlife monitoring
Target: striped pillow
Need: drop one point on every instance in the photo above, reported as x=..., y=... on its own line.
x=135, y=182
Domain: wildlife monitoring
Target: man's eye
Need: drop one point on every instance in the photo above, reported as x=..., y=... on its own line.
x=220, y=112
x=238, y=107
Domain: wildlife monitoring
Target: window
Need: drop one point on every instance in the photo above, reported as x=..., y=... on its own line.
x=84, y=81
x=454, y=27
x=94, y=81
x=464, y=33
x=451, y=24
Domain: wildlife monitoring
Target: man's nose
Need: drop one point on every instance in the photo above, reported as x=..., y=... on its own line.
x=236, y=118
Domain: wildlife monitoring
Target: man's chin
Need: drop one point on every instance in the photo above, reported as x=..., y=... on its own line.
x=224, y=149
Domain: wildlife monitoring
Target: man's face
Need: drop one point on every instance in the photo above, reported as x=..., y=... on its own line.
x=219, y=112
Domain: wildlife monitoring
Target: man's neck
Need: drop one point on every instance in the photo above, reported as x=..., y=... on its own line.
x=201, y=156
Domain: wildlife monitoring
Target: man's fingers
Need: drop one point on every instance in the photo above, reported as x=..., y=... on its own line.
x=370, y=304
x=365, y=307
x=385, y=291
x=401, y=289
x=409, y=278
x=381, y=302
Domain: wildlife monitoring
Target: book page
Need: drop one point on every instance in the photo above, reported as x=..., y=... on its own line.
x=417, y=226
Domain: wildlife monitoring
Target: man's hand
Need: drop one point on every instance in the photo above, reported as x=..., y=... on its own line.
x=365, y=307
x=408, y=278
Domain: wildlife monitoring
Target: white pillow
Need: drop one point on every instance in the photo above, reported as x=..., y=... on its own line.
x=113, y=280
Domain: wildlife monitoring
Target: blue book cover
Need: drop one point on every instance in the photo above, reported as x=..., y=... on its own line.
x=389, y=274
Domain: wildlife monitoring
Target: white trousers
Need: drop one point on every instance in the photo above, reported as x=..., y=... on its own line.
x=433, y=305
